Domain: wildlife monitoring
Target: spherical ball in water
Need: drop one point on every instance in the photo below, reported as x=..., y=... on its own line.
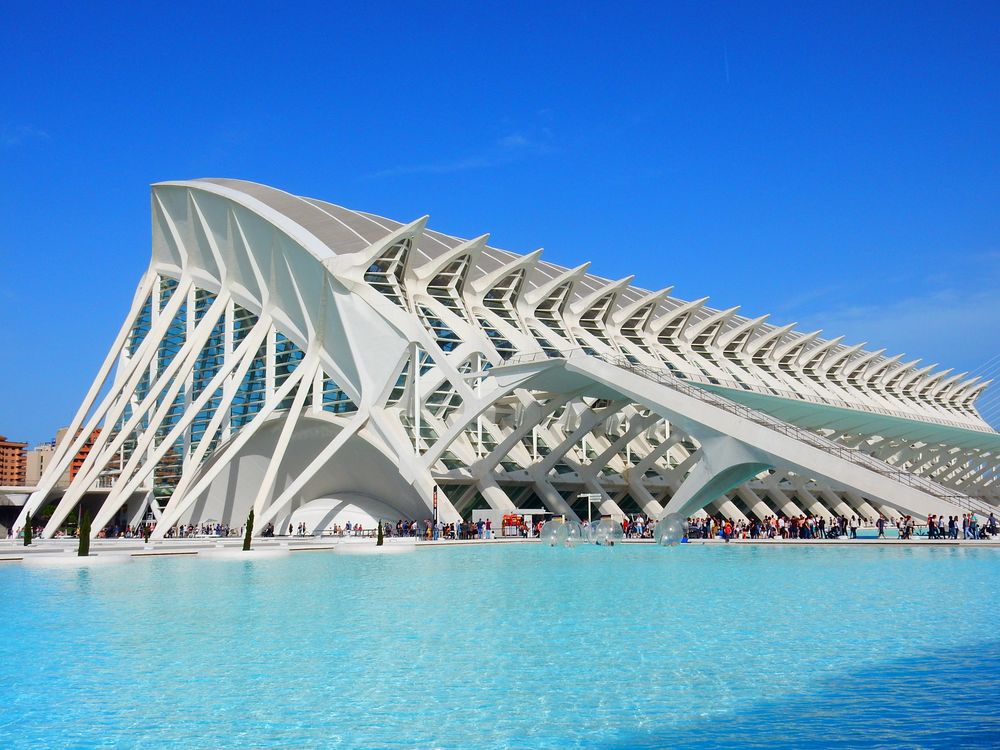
x=670, y=529
x=553, y=532
x=574, y=533
x=607, y=531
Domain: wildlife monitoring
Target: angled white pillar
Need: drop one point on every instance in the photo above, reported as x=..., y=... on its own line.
x=125, y=383
x=287, y=429
x=756, y=506
x=231, y=449
x=166, y=387
x=239, y=363
x=129, y=481
x=724, y=465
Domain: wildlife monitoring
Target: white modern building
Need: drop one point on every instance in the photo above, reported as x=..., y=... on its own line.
x=315, y=363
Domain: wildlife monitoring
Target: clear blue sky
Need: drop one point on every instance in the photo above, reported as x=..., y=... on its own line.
x=835, y=165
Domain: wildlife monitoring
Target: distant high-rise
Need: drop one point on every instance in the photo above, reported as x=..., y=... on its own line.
x=37, y=462
x=81, y=454
x=13, y=463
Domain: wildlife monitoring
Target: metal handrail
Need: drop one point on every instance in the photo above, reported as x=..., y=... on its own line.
x=858, y=457
x=840, y=404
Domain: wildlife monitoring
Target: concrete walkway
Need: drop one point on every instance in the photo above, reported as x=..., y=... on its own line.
x=14, y=550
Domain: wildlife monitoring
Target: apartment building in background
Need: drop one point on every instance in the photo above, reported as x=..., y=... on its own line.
x=13, y=462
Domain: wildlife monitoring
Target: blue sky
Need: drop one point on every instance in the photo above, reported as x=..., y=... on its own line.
x=835, y=165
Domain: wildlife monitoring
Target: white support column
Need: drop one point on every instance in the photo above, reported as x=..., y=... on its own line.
x=109, y=411
x=120, y=343
x=728, y=509
x=131, y=479
x=230, y=349
x=415, y=366
x=241, y=361
x=285, y=436
x=117, y=401
x=810, y=503
x=171, y=379
x=76, y=437
x=784, y=503
x=607, y=506
x=227, y=452
x=479, y=397
x=643, y=496
x=723, y=465
x=835, y=502
x=141, y=508
x=189, y=371
x=317, y=391
x=269, y=367
x=552, y=499
x=181, y=370
x=494, y=495
x=753, y=502
x=863, y=507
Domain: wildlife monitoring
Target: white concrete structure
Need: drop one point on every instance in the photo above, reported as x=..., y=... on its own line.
x=293, y=356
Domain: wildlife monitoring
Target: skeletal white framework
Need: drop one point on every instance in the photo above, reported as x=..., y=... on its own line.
x=281, y=350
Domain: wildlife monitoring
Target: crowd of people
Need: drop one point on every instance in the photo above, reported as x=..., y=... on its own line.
x=949, y=527
x=436, y=530
x=638, y=527
x=966, y=527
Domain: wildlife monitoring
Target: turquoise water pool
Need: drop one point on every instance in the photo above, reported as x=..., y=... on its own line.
x=508, y=646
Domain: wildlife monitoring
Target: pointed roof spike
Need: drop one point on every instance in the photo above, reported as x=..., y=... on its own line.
x=656, y=326
x=943, y=386
x=652, y=298
x=360, y=261
x=851, y=366
x=583, y=304
x=727, y=338
x=914, y=376
x=969, y=397
x=486, y=282
x=843, y=354
x=716, y=319
x=473, y=248
x=930, y=380
x=756, y=344
x=961, y=388
x=802, y=340
x=820, y=350
x=540, y=293
x=875, y=368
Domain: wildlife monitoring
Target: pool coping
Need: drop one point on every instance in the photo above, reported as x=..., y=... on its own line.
x=191, y=548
